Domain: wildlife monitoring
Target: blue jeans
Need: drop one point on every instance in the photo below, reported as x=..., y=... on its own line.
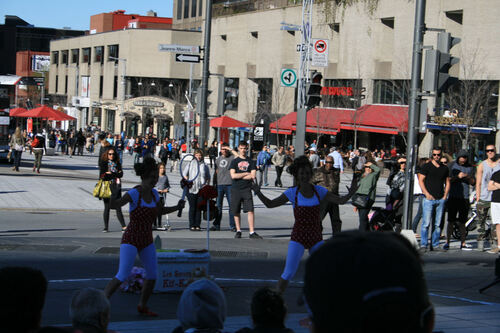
x=418, y=216
x=428, y=207
x=221, y=190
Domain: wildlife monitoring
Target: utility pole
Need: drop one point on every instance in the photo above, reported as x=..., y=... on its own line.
x=415, y=101
x=303, y=77
x=204, y=83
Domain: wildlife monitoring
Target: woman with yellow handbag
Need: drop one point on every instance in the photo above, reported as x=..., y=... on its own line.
x=110, y=172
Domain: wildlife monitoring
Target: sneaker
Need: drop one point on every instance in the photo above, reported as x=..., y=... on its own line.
x=161, y=228
x=446, y=247
x=466, y=247
x=105, y=230
x=255, y=235
x=215, y=228
x=494, y=250
x=238, y=234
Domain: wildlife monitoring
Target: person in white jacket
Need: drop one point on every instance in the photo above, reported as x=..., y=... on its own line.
x=203, y=179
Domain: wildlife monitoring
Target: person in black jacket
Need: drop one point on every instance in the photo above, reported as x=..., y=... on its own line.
x=212, y=154
x=110, y=169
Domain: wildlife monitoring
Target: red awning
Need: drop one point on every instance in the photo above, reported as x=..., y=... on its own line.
x=375, y=118
x=379, y=118
x=285, y=123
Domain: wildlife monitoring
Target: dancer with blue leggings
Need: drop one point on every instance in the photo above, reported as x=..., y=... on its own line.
x=144, y=207
x=306, y=199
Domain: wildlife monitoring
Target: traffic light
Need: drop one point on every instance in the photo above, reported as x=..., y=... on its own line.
x=313, y=89
x=438, y=63
x=444, y=44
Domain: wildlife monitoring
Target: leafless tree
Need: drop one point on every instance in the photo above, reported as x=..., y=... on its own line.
x=473, y=98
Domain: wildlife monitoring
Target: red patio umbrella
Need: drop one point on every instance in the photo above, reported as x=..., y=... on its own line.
x=226, y=122
x=47, y=113
x=17, y=111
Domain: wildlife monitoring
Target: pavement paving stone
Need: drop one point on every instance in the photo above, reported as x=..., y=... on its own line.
x=66, y=185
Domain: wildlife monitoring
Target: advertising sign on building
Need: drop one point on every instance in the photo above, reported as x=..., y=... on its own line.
x=319, y=56
x=40, y=63
x=85, y=86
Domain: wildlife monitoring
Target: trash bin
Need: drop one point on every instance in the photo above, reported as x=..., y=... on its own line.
x=176, y=268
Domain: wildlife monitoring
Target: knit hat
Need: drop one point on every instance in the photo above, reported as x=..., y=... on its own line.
x=202, y=305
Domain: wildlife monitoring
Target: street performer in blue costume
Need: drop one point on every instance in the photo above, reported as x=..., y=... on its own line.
x=306, y=199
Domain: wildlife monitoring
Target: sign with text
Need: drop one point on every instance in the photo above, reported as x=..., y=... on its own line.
x=40, y=63
x=319, y=56
x=178, y=48
x=258, y=133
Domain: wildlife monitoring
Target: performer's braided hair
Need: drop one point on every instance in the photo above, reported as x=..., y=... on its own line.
x=298, y=163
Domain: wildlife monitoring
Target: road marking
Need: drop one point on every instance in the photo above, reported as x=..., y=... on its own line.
x=463, y=299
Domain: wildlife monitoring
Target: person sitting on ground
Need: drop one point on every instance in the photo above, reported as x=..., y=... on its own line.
x=376, y=285
x=89, y=311
x=268, y=311
x=202, y=308
x=23, y=296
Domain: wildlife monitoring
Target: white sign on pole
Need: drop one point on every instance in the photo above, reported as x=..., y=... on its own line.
x=288, y=77
x=319, y=53
x=178, y=48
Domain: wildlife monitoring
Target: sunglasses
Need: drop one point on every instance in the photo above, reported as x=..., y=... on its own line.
x=328, y=162
x=436, y=154
x=490, y=150
x=111, y=154
x=402, y=162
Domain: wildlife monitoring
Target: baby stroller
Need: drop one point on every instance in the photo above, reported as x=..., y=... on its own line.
x=388, y=218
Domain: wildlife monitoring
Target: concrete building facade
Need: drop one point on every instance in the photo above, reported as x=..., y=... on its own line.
x=121, y=81
x=369, y=50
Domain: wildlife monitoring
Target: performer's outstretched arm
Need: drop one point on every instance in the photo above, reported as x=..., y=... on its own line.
x=340, y=200
x=276, y=202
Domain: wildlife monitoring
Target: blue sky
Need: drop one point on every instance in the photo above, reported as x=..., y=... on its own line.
x=76, y=14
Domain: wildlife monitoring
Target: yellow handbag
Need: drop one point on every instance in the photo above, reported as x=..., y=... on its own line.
x=102, y=189
x=105, y=191
x=97, y=188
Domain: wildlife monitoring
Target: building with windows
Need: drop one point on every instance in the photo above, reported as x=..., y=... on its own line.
x=122, y=81
x=369, y=62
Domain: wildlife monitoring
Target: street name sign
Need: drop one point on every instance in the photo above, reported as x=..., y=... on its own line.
x=288, y=77
x=192, y=58
x=320, y=53
x=178, y=48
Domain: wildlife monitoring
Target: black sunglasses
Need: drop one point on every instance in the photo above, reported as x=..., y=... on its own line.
x=436, y=154
x=490, y=150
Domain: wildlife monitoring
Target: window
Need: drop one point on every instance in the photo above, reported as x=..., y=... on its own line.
x=391, y=92
x=193, y=7
x=179, y=9
x=200, y=10
x=75, y=55
x=113, y=52
x=57, y=83
x=186, y=8
x=101, y=85
x=64, y=56
x=456, y=15
x=99, y=56
x=255, y=34
x=55, y=57
x=231, y=93
x=86, y=55
x=111, y=120
x=345, y=93
x=388, y=21
x=66, y=84
x=115, y=87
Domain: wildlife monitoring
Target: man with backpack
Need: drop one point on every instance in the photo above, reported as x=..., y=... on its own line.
x=38, y=145
x=263, y=162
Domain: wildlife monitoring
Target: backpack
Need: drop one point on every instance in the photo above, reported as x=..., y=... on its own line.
x=35, y=142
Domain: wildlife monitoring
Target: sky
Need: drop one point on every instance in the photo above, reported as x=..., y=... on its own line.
x=76, y=14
